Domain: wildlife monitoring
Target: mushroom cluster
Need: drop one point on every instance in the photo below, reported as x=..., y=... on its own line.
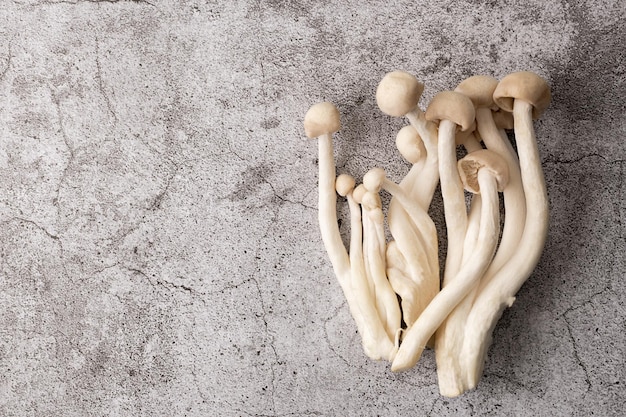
x=393, y=288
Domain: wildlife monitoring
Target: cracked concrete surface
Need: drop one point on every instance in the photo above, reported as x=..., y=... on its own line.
x=159, y=247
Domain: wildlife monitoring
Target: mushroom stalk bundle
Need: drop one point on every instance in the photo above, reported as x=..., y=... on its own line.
x=399, y=300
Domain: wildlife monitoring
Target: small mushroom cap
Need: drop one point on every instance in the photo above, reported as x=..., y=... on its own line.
x=526, y=86
x=479, y=89
x=484, y=159
x=398, y=93
x=358, y=193
x=371, y=201
x=503, y=119
x=452, y=106
x=373, y=180
x=321, y=119
x=410, y=144
x=344, y=184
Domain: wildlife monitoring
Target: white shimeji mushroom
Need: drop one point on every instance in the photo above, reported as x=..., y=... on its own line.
x=376, y=343
x=478, y=282
x=374, y=243
x=453, y=111
x=526, y=95
x=425, y=240
x=485, y=173
x=449, y=341
x=410, y=260
x=321, y=121
x=397, y=95
x=480, y=90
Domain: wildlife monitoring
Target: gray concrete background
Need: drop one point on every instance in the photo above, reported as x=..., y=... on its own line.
x=159, y=247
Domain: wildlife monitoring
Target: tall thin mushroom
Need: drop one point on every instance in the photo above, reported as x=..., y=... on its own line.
x=449, y=340
x=451, y=111
x=486, y=173
x=409, y=258
x=375, y=255
x=397, y=95
x=527, y=95
x=480, y=90
x=321, y=121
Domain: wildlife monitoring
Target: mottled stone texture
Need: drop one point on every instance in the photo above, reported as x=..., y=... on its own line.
x=159, y=247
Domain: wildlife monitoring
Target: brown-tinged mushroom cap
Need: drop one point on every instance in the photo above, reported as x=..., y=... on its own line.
x=484, y=159
x=344, y=184
x=503, y=119
x=321, y=119
x=526, y=86
x=410, y=144
x=398, y=93
x=452, y=106
x=479, y=89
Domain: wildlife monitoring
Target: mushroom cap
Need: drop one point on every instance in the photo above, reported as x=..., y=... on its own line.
x=483, y=159
x=344, y=184
x=371, y=201
x=398, y=93
x=321, y=119
x=410, y=144
x=373, y=180
x=479, y=89
x=452, y=106
x=503, y=119
x=358, y=193
x=526, y=86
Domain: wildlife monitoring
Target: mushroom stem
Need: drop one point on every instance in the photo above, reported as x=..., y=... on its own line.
x=327, y=206
x=514, y=200
x=402, y=283
x=445, y=301
x=453, y=199
x=386, y=299
x=500, y=292
x=416, y=263
x=425, y=237
x=375, y=340
x=422, y=190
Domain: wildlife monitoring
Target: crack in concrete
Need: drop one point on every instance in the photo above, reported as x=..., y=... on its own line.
x=230, y=287
x=607, y=288
x=8, y=62
x=158, y=199
x=32, y=222
x=268, y=334
x=270, y=338
x=577, y=356
x=327, y=337
x=554, y=160
x=70, y=149
x=100, y=81
x=68, y=144
x=170, y=286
